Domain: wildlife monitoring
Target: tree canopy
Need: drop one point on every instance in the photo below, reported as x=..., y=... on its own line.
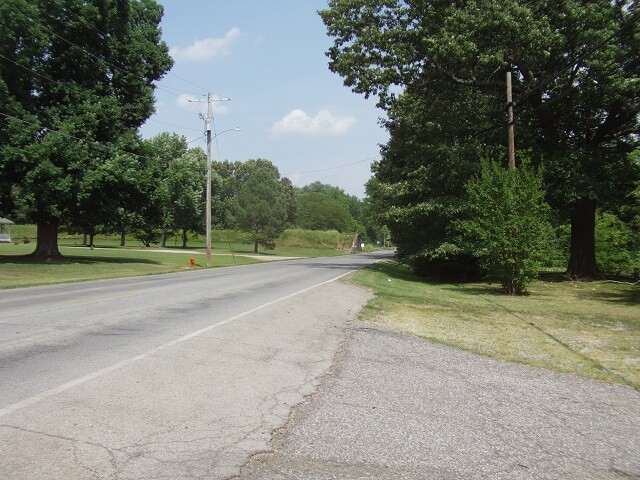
x=253, y=198
x=576, y=89
x=325, y=207
x=76, y=82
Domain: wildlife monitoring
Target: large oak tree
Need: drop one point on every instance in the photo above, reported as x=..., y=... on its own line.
x=576, y=84
x=76, y=82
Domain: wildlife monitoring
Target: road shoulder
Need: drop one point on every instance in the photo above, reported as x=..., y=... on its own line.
x=401, y=407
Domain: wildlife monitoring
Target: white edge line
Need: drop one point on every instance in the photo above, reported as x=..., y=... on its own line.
x=9, y=409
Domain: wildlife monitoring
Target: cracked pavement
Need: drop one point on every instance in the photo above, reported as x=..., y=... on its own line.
x=196, y=409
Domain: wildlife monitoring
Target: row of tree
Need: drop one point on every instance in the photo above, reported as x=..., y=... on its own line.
x=163, y=196
x=76, y=83
x=438, y=70
x=248, y=196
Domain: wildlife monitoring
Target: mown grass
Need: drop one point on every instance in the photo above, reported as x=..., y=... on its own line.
x=108, y=260
x=585, y=328
x=80, y=264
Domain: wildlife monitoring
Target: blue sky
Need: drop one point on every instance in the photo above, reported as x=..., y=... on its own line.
x=268, y=56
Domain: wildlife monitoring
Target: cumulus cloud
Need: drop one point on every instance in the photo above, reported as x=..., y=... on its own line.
x=207, y=48
x=324, y=123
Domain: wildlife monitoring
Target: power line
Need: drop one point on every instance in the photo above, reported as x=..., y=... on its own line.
x=175, y=126
x=335, y=167
x=92, y=55
x=188, y=81
x=28, y=69
x=168, y=73
x=90, y=142
x=519, y=101
x=630, y=21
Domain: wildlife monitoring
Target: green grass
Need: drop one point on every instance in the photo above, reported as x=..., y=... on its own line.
x=585, y=328
x=108, y=260
x=81, y=264
x=293, y=242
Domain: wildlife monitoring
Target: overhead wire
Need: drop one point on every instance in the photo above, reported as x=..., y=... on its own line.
x=369, y=159
x=109, y=64
x=28, y=69
x=163, y=88
x=173, y=125
x=629, y=22
x=169, y=73
x=51, y=80
x=90, y=142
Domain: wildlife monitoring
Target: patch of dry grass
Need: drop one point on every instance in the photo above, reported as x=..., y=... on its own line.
x=586, y=328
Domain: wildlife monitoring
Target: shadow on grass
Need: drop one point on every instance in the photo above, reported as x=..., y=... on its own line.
x=31, y=260
x=470, y=287
x=615, y=289
x=628, y=294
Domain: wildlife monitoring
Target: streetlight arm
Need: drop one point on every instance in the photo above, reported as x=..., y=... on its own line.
x=229, y=130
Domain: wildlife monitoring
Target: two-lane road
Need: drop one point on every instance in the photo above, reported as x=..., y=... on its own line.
x=171, y=376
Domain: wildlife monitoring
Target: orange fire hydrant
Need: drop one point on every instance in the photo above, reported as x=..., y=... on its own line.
x=192, y=262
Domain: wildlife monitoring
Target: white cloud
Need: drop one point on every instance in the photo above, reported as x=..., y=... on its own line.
x=199, y=104
x=324, y=123
x=207, y=48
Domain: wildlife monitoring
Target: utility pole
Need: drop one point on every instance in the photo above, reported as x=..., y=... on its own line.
x=208, y=119
x=207, y=124
x=512, y=146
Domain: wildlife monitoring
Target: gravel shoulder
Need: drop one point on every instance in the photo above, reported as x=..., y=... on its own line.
x=401, y=407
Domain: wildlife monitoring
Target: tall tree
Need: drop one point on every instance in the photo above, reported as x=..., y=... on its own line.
x=418, y=187
x=262, y=204
x=76, y=78
x=186, y=178
x=577, y=88
x=178, y=175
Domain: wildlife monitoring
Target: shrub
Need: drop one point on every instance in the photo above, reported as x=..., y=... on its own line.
x=507, y=228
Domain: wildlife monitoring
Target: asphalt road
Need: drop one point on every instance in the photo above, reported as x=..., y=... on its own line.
x=173, y=376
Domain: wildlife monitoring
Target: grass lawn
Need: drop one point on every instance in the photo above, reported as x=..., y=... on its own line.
x=585, y=328
x=109, y=260
x=83, y=263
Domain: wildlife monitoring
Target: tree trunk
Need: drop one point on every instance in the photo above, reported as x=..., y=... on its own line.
x=91, y=237
x=122, y=238
x=184, y=238
x=47, y=244
x=164, y=239
x=255, y=247
x=582, y=262
x=84, y=238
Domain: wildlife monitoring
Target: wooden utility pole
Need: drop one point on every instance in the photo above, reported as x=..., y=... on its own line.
x=512, y=146
x=208, y=119
x=208, y=199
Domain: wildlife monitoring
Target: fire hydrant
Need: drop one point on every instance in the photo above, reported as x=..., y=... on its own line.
x=192, y=262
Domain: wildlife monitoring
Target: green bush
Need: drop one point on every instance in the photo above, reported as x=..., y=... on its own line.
x=616, y=246
x=507, y=228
